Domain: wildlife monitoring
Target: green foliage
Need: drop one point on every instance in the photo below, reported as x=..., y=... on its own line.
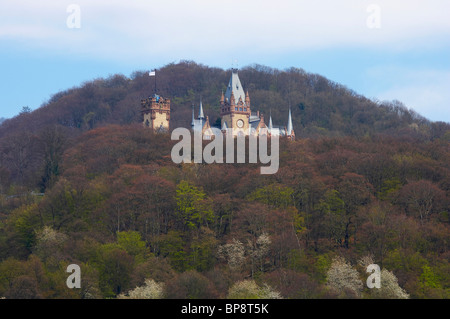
x=25, y=220
x=131, y=242
x=192, y=207
x=10, y=269
x=388, y=188
x=115, y=266
x=187, y=253
x=428, y=279
x=334, y=219
x=322, y=264
x=299, y=261
x=332, y=203
x=274, y=195
x=432, y=285
x=299, y=223
x=173, y=247
x=202, y=250
x=405, y=261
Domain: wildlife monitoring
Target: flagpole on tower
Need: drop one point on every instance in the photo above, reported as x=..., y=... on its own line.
x=153, y=73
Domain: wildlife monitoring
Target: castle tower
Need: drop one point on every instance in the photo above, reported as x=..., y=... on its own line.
x=201, y=124
x=235, y=106
x=155, y=112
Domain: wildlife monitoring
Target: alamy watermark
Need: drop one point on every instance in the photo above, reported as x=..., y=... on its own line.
x=374, y=19
x=374, y=280
x=73, y=21
x=213, y=151
x=74, y=280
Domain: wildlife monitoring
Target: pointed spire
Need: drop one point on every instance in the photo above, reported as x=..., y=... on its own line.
x=289, y=126
x=222, y=98
x=200, y=111
x=270, y=121
x=247, y=99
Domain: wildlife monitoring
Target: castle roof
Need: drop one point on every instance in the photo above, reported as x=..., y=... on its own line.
x=235, y=87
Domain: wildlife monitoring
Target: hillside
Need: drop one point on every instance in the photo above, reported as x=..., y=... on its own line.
x=320, y=107
x=363, y=183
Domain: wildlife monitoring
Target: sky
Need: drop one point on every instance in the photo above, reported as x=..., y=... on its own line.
x=382, y=49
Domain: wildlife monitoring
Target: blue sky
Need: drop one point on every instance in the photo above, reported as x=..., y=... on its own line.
x=384, y=50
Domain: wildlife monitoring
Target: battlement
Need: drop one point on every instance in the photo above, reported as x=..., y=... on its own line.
x=155, y=102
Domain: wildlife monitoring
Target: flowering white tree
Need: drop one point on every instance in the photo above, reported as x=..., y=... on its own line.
x=389, y=287
x=151, y=290
x=49, y=242
x=233, y=253
x=343, y=278
x=248, y=289
x=259, y=250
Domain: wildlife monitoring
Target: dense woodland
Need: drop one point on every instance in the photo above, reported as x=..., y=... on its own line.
x=81, y=181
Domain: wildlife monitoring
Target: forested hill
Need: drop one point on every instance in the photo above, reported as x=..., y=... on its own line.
x=320, y=107
x=83, y=182
x=33, y=142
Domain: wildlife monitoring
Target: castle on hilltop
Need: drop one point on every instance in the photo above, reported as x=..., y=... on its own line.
x=236, y=115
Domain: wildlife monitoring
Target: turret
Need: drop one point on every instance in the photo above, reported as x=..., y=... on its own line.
x=270, y=122
x=222, y=99
x=290, y=128
x=200, y=111
x=247, y=99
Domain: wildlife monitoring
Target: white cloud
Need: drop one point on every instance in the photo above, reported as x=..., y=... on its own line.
x=202, y=27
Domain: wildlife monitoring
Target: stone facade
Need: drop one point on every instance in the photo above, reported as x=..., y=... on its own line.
x=155, y=112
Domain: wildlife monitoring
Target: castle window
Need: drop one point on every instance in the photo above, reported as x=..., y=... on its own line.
x=235, y=108
x=245, y=109
x=240, y=109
